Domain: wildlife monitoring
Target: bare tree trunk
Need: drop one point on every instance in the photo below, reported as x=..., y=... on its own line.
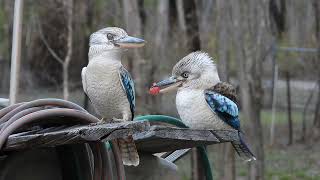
x=162, y=31
x=226, y=164
x=304, y=116
x=6, y=8
x=316, y=121
x=317, y=110
x=228, y=153
x=252, y=17
x=192, y=25
x=230, y=166
x=273, y=94
x=65, y=66
x=89, y=22
x=223, y=38
x=316, y=124
x=193, y=44
x=207, y=12
x=142, y=15
x=16, y=51
x=137, y=69
x=273, y=104
x=278, y=15
x=173, y=15
x=161, y=47
x=181, y=18
x=289, y=109
x=65, y=81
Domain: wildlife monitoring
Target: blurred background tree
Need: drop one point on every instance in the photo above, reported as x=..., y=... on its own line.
x=247, y=39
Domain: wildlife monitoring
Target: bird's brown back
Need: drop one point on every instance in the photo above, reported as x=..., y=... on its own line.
x=227, y=90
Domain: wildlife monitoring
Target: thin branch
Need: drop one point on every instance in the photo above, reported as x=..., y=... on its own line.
x=45, y=42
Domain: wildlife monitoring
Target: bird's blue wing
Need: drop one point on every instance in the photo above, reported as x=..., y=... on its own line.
x=128, y=87
x=225, y=108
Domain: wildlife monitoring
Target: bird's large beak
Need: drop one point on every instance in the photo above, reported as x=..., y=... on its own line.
x=168, y=85
x=130, y=42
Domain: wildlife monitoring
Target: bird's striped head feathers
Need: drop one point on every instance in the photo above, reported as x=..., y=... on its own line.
x=112, y=38
x=197, y=70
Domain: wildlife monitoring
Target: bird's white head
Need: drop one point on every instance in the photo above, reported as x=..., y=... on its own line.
x=113, y=39
x=195, y=71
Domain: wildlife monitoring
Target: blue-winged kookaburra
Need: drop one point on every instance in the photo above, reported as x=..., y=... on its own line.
x=109, y=85
x=203, y=101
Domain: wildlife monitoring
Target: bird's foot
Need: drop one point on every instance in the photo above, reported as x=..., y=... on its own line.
x=116, y=120
x=97, y=123
x=104, y=120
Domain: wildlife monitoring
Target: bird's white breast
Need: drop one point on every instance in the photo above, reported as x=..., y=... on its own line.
x=195, y=112
x=105, y=90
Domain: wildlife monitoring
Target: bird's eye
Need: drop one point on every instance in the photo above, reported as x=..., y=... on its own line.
x=185, y=75
x=110, y=36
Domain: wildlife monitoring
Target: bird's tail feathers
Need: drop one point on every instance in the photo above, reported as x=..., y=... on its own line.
x=242, y=149
x=128, y=150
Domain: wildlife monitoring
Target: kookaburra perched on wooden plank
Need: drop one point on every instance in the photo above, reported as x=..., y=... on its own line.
x=203, y=101
x=109, y=85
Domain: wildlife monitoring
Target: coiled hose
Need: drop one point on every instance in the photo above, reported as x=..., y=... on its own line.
x=179, y=123
x=16, y=116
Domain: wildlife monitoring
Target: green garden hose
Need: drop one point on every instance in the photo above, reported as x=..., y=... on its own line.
x=179, y=123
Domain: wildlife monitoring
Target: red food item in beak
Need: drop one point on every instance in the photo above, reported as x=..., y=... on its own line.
x=154, y=90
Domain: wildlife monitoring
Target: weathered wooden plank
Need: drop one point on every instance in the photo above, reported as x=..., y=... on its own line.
x=162, y=139
x=75, y=134
x=154, y=139
x=226, y=135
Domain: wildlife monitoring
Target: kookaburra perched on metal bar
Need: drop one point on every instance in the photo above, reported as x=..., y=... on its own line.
x=109, y=85
x=203, y=101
